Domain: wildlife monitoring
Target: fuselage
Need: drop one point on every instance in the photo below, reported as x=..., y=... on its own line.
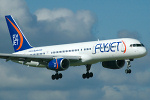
x=92, y=52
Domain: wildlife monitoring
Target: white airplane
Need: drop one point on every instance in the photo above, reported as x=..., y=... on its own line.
x=112, y=53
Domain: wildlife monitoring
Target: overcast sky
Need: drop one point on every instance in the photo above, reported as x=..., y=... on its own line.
x=50, y=22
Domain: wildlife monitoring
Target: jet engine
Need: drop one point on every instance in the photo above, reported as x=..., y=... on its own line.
x=58, y=64
x=117, y=64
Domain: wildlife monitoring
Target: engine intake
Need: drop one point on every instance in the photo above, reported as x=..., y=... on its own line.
x=117, y=64
x=58, y=64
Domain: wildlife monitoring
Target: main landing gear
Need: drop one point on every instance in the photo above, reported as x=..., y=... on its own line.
x=128, y=70
x=57, y=76
x=87, y=74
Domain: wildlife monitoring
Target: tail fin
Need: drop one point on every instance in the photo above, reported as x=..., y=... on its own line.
x=19, y=41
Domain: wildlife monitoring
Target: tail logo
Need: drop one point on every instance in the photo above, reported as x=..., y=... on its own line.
x=15, y=39
x=15, y=36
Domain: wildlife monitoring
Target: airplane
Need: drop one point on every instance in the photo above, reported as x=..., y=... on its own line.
x=111, y=53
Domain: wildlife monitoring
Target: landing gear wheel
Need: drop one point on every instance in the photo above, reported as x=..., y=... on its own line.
x=91, y=74
x=53, y=77
x=128, y=71
x=60, y=75
x=56, y=76
x=87, y=75
x=84, y=76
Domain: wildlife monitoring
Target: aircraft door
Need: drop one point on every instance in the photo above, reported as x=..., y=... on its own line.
x=93, y=49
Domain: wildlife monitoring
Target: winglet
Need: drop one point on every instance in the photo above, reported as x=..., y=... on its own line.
x=19, y=41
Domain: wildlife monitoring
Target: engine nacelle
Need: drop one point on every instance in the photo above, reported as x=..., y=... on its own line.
x=58, y=64
x=113, y=64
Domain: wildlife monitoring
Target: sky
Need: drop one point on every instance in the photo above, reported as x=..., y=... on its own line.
x=52, y=22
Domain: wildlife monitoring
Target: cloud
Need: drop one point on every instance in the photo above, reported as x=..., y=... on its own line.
x=128, y=34
x=63, y=23
x=52, y=15
x=143, y=77
x=44, y=27
x=14, y=75
x=57, y=26
x=111, y=93
x=124, y=92
x=19, y=11
x=107, y=75
x=46, y=95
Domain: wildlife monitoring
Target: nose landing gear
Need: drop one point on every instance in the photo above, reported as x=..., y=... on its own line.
x=128, y=70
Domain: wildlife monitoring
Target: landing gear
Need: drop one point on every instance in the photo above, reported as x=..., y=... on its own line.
x=128, y=70
x=57, y=76
x=88, y=74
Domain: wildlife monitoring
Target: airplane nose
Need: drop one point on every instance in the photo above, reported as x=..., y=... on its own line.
x=144, y=51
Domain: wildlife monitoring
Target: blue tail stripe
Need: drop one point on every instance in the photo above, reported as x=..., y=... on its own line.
x=19, y=41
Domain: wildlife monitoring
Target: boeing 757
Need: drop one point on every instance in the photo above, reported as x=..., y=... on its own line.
x=112, y=53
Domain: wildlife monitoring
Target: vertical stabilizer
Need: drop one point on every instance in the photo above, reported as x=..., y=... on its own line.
x=19, y=41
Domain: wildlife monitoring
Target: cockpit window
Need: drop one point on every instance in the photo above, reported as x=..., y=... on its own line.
x=136, y=45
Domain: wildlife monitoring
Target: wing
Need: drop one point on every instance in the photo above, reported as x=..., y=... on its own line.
x=42, y=59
